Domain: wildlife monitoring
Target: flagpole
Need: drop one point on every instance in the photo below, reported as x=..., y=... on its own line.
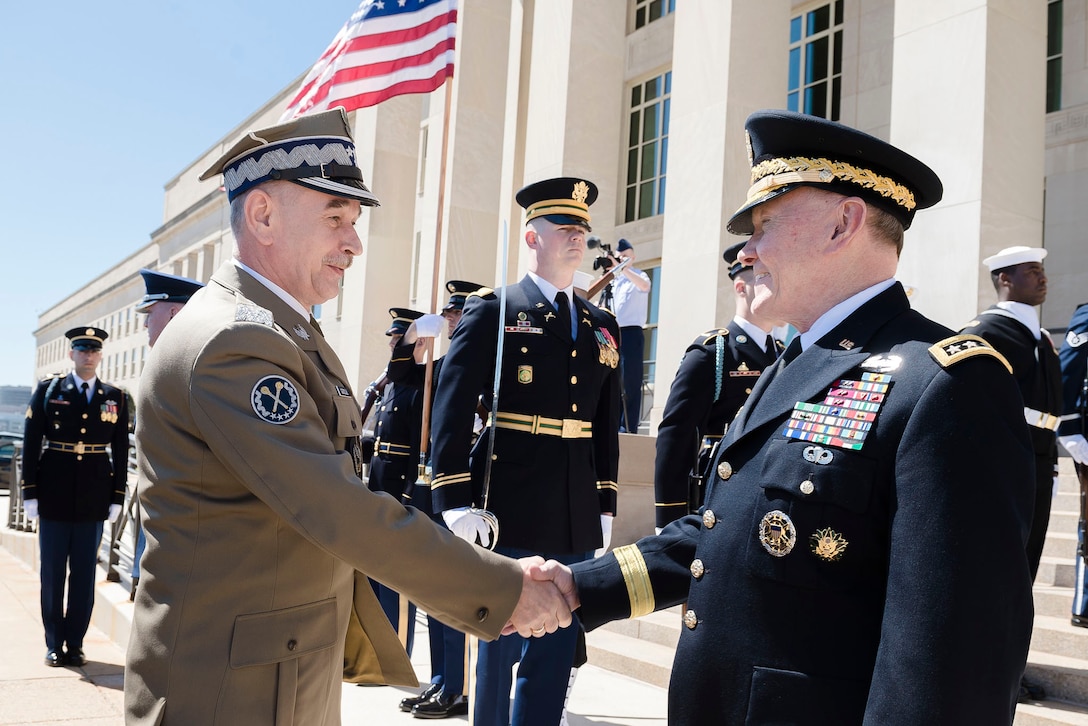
x=428, y=379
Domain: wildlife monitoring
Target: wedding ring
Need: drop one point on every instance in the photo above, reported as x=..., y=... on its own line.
x=538, y=631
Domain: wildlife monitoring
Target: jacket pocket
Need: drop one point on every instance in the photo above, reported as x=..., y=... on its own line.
x=789, y=698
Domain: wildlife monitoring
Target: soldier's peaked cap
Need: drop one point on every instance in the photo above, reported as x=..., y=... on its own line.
x=161, y=287
x=788, y=150
x=402, y=318
x=459, y=291
x=315, y=151
x=732, y=252
x=86, y=337
x=563, y=200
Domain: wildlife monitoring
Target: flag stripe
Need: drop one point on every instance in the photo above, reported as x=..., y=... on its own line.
x=381, y=52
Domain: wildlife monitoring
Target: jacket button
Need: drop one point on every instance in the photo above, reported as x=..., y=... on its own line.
x=292, y=644
x=574, y=407
x=697, y=569
x=574, y=354
x=690, y=620
x=709, y=520
x=524, y=350
x=481, y=614
x=83, y=431
x=807, y=487
x=725, y=470
x=84, y=415
x=573, y=380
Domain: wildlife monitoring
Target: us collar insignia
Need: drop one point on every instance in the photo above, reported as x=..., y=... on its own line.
x=301, y=332
x=275, y=400
x=827, y=544
x=777, y=533
x=844, y=417
x=846, y=344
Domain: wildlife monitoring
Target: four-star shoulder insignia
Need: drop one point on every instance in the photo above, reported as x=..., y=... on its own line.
x=960, y=347
x=712, y=334
x=484, y=292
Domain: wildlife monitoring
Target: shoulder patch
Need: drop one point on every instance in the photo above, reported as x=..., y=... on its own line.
x=960, y=347
x=249, y=313
x=485, y=292
x=1075, y=340
x=712, y=334
x=274, y=399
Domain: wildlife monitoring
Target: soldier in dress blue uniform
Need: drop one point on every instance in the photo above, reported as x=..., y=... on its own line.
x=394, y=464
x=715, y=378
x=1074, y=365
x=554, y=465
x=445, y=695
x=860, y=558
x=75, y=469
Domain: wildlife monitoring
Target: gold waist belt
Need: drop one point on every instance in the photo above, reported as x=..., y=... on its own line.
x=80, y=448
x=1041, y=419
x=381, y=447
x=567, y=428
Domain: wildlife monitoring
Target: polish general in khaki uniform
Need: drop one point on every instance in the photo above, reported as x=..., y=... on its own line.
x=252, y=604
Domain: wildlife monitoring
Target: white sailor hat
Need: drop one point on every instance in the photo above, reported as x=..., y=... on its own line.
x=1014, y=256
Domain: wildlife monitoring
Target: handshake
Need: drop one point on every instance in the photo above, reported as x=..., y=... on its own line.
x=548, y=597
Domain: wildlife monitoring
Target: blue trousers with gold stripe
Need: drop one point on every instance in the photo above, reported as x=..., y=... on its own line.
x=543, y=670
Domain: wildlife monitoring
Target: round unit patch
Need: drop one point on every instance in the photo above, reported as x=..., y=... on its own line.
x=275, y=399
x=777, y=534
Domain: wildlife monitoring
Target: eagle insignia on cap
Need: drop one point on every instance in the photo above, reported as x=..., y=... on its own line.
x=581, y=192
x=275, y=400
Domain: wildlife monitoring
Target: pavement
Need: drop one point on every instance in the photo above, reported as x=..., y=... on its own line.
x=32, y=693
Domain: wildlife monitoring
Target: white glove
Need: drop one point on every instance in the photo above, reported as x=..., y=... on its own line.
x=115, y=512
x=606, y=534
x=1076, y=446
x=477, y=424
x=657, y=530
x=430, y=326
x=30, y=506
x=467, y=526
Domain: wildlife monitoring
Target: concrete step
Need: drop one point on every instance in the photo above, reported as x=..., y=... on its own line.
x=1056, y=571
x=642, y=660
x=661, y=628
x=1062, y=520
x=1056, y=635
x=1053, y=601
x=1063, y=677
x=1050, y=713
x=1066, y=501
x=1060, y=544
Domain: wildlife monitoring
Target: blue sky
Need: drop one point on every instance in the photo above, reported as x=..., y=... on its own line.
x=101, y=103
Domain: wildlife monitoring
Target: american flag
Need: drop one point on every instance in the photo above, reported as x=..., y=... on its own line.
x=387, y=48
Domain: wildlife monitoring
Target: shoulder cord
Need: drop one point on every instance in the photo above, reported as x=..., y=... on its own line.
x=719, y=360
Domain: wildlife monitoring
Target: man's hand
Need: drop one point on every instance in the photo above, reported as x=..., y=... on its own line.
x=30, y=506
x=467, y=525
x=542, y=608
x=606, y=534
x=562, y=577
x=1077, y=447
x=115, y=512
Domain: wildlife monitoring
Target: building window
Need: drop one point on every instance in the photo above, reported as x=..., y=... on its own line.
x=1054, y=55
x=649, y=351
x=647, y=11
x=648, y=148
x=815, y=63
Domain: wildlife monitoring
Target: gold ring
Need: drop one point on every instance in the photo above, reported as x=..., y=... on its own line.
x=538, y=631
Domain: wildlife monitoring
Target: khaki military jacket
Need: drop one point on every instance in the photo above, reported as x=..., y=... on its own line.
x=258, y=527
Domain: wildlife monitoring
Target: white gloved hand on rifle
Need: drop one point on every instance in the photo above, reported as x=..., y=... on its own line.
x=1077, y=447
x=430, y=326
x=30, y=506
x=115, y=512
x=468, y=525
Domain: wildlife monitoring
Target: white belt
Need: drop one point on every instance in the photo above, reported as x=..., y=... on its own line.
x=1041, y=419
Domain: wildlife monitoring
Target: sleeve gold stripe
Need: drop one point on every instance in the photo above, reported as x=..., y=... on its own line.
x=670, y=504
x=637, y=579
x=608, y=485
x=441, y=481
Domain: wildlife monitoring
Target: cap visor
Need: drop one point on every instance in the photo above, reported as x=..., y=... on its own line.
x=566, y=220
x=347, y=188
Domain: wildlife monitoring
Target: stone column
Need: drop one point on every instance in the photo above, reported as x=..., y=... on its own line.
x=968, y=96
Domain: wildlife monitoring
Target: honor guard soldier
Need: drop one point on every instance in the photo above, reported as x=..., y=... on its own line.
x=715, y=377
x=1071, y=433
x=393, y=468
x=551, y=478
x=860, y=558
x=164, y=297
x=75, y=470
x=445, y=695
x=254, y=604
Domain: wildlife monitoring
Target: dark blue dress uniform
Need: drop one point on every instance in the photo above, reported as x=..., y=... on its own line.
x=860, y=558
x=1038, y=375
x=75, y=464
x=556, y=447
x=1073, y=357
x=394, y=467
x=716, y=376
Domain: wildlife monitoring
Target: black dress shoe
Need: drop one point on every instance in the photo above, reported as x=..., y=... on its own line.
x=442, y=706
x=1079, y=621
x=54, y=659
x=407, y=704
x=1031, y=691
x=76, y=657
